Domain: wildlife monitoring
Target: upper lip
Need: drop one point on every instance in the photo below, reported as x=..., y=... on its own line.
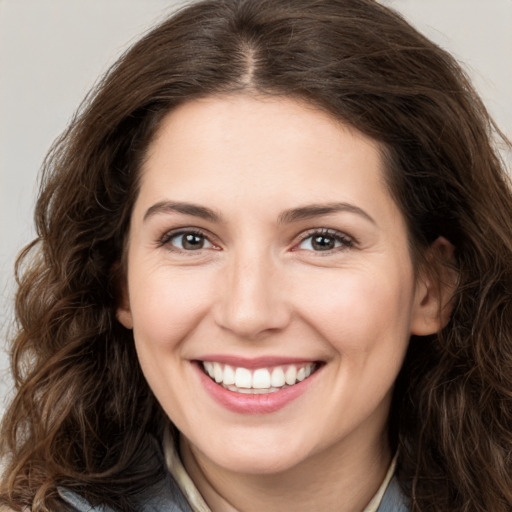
x=255, y=362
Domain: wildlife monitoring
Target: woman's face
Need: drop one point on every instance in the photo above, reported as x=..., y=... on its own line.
x=265, y=250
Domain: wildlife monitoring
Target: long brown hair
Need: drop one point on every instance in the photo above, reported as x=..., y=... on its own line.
x=83, y=413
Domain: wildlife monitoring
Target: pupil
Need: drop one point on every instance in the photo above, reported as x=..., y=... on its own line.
x=193, y=241
x=323, y=243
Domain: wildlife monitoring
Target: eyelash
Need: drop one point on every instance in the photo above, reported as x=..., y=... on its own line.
x=345, y=242
x=166, y=239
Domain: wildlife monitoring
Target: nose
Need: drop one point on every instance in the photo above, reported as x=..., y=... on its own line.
x=252, y=301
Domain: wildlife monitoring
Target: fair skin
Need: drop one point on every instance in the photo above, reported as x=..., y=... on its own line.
x=264, y=238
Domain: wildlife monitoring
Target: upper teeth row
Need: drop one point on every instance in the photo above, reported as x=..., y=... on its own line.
x=261, y=378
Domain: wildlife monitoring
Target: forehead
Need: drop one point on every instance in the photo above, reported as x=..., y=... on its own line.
x=263, y=152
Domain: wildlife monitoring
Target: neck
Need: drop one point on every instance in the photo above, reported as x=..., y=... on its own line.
x=343, y=478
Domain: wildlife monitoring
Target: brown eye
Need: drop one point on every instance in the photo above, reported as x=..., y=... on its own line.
x=190, y=241
x=325, y=241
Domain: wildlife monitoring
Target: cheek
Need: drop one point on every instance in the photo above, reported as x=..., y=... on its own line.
x=166, y=305
x=356, y=311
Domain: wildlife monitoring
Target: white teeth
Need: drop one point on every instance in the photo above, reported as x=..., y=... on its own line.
x=229, y=375
x=217, y=372
x=209, y=368
x=246, y=391
x=291, y=375
x=253, y=391
x=243, y=378
x=260, y=380
x=277, y=379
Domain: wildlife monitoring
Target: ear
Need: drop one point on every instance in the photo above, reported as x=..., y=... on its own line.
x=123, y=310
x=124, y=316
x=435, y=287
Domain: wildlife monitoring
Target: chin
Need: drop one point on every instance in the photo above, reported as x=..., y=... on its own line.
x=256, y=464
x=262, y=457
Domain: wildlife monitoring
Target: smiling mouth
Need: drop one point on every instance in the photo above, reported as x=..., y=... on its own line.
x=260, y=380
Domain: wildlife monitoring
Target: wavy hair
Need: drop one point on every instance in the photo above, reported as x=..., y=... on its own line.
x=83, y=411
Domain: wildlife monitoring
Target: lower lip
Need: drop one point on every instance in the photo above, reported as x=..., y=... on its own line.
x=243, y=403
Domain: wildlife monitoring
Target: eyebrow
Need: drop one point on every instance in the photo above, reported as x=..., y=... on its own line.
x=287, y=217
x=317, y=210
x=185, y=208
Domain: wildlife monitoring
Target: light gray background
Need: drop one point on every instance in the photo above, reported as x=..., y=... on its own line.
x=52, y=52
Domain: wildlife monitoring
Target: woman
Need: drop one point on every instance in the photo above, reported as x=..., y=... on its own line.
x=273, y=271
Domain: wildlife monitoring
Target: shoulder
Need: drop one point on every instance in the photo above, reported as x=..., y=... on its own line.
x=164, y=495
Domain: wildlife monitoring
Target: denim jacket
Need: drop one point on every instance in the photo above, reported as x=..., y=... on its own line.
x=167, y=497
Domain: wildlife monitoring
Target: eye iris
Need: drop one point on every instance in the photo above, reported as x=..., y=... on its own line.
x=192, y=242
x=322, y=243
